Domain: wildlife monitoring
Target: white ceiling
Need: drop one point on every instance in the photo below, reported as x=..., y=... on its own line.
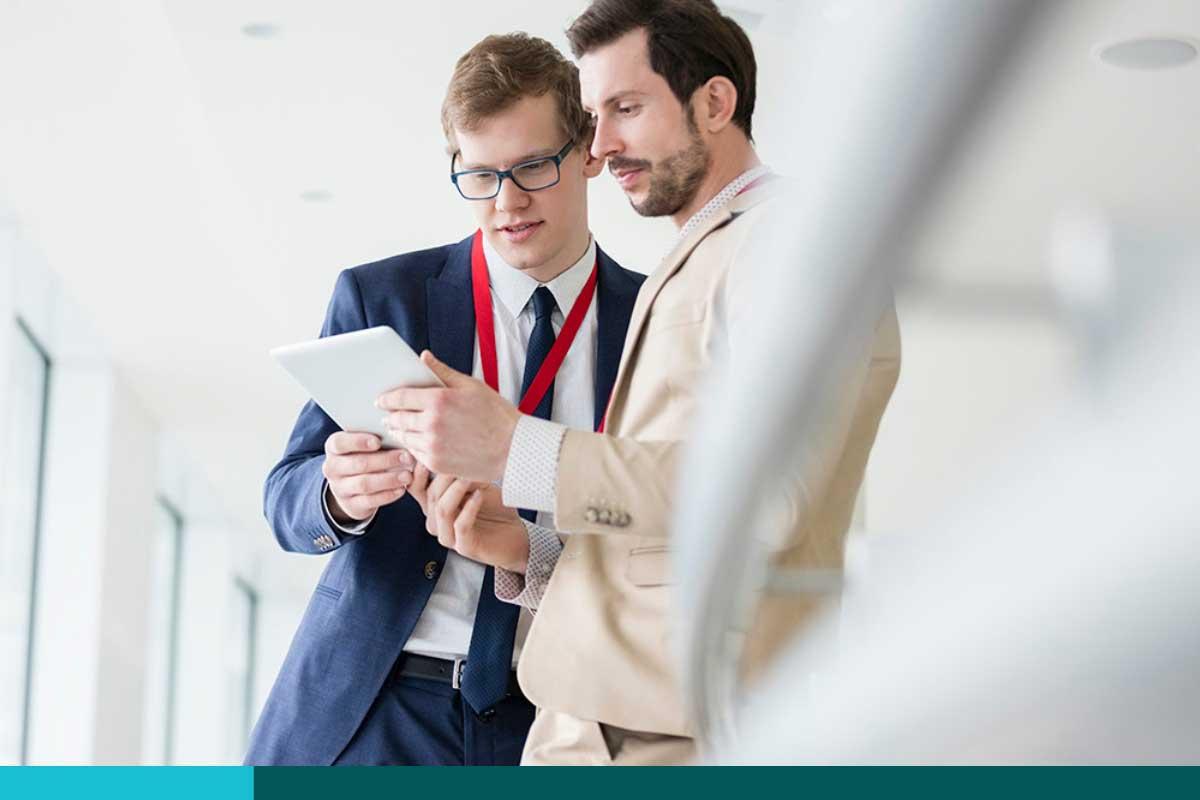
x=1068, y=133
x=157, y=156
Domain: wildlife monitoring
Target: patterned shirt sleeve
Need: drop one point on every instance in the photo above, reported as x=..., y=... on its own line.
x=350, y=530
x=531, y=472
x=526, y=590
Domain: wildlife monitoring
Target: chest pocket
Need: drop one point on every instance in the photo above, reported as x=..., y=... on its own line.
x=649, y=566
x=674, y=316
x=676, y=346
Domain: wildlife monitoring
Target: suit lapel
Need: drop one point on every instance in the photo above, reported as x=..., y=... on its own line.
x=615, y=294
x=670, y=265
x=450, y=318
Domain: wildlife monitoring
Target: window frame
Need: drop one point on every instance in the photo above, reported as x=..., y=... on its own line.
x=35, y=556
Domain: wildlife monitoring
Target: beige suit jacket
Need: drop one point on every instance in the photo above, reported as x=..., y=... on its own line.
x=600, y=646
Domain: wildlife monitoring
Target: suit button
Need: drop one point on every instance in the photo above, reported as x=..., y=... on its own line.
x=486, y=716
x=431, y=570
x=590, y=515
x=606, y=516
x=623, y=520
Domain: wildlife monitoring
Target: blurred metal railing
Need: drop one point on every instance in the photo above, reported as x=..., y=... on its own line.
x=878, y=119
x=1047, y=613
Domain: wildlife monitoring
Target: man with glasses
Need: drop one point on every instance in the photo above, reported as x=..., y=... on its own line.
x=405, y=655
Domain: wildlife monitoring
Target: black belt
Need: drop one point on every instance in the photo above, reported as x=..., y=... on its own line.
x=410, y=665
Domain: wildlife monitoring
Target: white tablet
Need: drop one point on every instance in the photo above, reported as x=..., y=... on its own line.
x=345, y=373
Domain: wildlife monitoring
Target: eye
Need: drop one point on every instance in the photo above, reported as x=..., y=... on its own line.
x=477, y=180
x=628, y=110
x=535, y=169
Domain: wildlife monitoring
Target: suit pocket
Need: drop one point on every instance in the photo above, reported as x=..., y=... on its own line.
x=325, y=591
x=674, y=316
x=649, y=566
x=316, y=640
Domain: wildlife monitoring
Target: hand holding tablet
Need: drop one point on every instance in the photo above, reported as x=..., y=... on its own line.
x=345, y=373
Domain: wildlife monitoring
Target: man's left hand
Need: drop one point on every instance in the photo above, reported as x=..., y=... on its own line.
x=463, y=428
x=471, y=519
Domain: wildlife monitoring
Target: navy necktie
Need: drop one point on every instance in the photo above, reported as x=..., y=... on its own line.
x=489, y=659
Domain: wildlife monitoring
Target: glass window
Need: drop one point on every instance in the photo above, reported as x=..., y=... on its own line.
x=21, y=478
x=239, y=668
x=162, y=657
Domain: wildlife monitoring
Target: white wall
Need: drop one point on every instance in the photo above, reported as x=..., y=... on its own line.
x=11, y=666
x=7, y=310
x=125, y=582
x=970, y=382
x=106, y=463
x=93, y=567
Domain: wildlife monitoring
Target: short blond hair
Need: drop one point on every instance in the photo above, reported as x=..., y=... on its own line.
x=501, y=70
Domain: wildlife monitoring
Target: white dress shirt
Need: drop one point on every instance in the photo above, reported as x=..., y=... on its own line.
x=444, y=627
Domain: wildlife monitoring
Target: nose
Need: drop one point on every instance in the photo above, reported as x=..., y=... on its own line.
x=605, y=141
x=511, y=197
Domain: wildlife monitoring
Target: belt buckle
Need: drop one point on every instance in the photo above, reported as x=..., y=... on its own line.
x=456, y=673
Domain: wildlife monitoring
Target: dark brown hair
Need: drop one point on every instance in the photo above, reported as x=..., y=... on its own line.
x=501, y=70
x=690, y=41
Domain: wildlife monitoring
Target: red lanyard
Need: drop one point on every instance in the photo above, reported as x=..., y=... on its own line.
x=485, y=328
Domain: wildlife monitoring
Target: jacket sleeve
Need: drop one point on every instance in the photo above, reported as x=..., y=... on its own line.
x=616, y=485
x=292, y=496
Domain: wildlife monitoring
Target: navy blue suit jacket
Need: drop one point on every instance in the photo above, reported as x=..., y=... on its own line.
x=376, y=586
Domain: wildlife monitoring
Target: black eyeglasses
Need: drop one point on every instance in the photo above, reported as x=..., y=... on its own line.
x=532, y=176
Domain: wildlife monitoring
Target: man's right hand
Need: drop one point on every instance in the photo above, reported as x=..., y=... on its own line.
x=362, y=477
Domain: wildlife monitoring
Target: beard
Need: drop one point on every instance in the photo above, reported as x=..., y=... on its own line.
x=675, y=180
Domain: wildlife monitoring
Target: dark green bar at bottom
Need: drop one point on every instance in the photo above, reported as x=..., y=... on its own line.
x=748, y=783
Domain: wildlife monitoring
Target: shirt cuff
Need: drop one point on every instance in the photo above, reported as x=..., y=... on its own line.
x=531, y=472
x=357, y=529
x=527, y=590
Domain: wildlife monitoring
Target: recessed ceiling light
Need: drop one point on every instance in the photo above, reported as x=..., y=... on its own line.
x=261, y=30
x=316, y=196
x=1152, y=52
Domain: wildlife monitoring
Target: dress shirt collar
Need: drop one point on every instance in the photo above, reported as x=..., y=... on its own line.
x=722, y=197
x=514, y=288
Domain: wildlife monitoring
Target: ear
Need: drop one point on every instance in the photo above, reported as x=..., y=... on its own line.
x=716, y=101
x=592, y=166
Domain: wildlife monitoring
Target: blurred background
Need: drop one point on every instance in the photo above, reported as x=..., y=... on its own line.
x=180, y=183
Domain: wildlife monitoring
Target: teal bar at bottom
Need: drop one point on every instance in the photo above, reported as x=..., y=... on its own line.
x=127, y=783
